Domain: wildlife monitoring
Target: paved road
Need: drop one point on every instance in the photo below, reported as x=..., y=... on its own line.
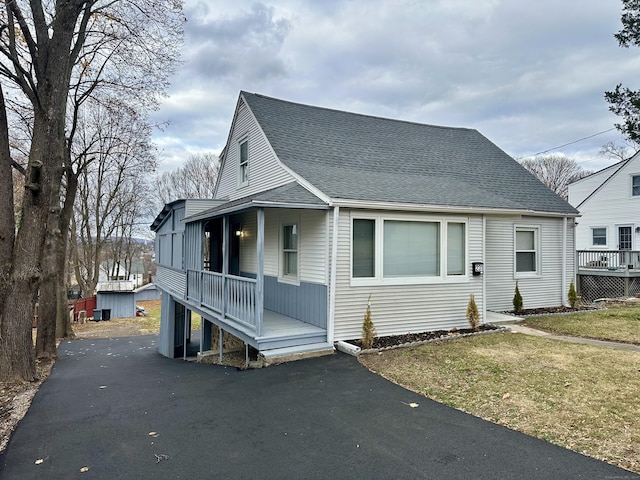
x=320, y=418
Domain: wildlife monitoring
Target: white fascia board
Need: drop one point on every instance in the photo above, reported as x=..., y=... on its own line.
x=373, y=205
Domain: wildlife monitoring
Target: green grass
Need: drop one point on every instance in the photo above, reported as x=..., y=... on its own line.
x=578, y=396
x=620, y=324
x=152, y=322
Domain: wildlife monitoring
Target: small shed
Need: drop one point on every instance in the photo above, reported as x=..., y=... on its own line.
x=116, y=299
x=147, y=292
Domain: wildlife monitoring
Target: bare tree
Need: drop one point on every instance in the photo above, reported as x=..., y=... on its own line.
x=57, y=54
x=112, y=189
x=555, y=171
x=619, y=151
x=195, y=179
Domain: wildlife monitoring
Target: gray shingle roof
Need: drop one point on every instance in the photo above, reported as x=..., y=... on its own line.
x=359, y=157
x=291, y=195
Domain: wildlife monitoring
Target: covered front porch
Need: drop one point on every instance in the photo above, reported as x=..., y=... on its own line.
x=227, y=285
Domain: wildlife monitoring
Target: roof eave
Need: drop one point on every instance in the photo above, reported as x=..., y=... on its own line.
x=367, y=204
x=220, y=211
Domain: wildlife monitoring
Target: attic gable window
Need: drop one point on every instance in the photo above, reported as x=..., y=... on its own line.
x=243, y=162
x=635, y=185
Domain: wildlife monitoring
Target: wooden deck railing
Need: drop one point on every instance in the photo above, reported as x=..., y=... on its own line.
x=608, y=260
x=230, y=296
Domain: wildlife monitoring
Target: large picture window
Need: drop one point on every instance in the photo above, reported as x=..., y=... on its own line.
x=390, y=250
x=526, y=250
x=411, y=249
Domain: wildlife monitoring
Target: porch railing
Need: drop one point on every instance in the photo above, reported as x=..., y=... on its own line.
x=230, y=296
x=608, y=260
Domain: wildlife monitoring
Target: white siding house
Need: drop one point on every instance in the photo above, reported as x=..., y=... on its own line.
x=609, y=205
x=321, y=211
x=608, y=231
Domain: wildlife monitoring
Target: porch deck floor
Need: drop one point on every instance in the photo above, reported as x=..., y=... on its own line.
x=277, y=325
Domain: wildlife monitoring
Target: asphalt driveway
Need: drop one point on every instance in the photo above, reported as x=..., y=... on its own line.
x=118, y=410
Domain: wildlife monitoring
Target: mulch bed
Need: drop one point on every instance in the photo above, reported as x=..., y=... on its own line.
x=528, y=312
x=410, y=338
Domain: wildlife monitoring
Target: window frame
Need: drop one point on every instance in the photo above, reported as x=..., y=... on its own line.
x=243, y=167
x=380, y=279
x=536, y=250
x=282, y=276
x=635, y=185
x=606, y=237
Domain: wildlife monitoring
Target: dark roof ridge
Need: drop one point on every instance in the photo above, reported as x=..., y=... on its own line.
x=356, y=114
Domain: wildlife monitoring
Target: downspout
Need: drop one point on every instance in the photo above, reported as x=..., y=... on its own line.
x=484, y=275
x=332, y=280
x=564, y=261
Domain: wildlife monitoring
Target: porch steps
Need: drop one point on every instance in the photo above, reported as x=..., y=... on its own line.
x=298, y=352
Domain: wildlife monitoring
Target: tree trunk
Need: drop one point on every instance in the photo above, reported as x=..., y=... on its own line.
x=46, y=334
x=7, y=219
x=63, y=321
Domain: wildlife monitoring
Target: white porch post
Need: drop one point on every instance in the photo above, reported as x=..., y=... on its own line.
x=260, y=271
x=225, y=263
x=332, y=282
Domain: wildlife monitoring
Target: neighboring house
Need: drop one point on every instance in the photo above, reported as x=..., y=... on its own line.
x=608, y=231
x=317, y=211
x=111, y=273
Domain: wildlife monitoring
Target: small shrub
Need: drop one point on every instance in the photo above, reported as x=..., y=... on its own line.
x=368, y=330
x=572, y=296
x=472, y=313
x=517, y=300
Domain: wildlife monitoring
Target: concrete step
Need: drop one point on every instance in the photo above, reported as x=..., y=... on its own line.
x=298, y=352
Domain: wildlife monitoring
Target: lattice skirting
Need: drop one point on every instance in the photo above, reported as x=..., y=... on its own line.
x=592, y=287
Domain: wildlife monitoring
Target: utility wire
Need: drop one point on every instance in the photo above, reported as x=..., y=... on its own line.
x=571, y=143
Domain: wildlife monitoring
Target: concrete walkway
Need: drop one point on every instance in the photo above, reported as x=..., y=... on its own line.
x=565, y=338
x=513, y=323
x=116, y=409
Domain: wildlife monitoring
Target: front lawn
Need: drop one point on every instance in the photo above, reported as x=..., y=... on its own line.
x=578, y=396
x=620, y=324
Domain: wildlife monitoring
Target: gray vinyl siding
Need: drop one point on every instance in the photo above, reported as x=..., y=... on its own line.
x=306, y=302
x=197, y=205
x=193, y=236
x=167, y=326
x=543, y=290
x=169, y=239
x=398, y=309
x=170, y=280
x=265, y=171
x=312, y=248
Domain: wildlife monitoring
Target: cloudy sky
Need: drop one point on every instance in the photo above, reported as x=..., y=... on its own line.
x=528, y=75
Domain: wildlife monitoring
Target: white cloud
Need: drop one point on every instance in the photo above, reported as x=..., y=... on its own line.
x=528, y=75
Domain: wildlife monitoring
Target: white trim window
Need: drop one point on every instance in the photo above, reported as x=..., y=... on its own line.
x=599, y=236
x=635, y=185
x=407, y=251
x=243, y=162
x=289, y=257
x=527, y=251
